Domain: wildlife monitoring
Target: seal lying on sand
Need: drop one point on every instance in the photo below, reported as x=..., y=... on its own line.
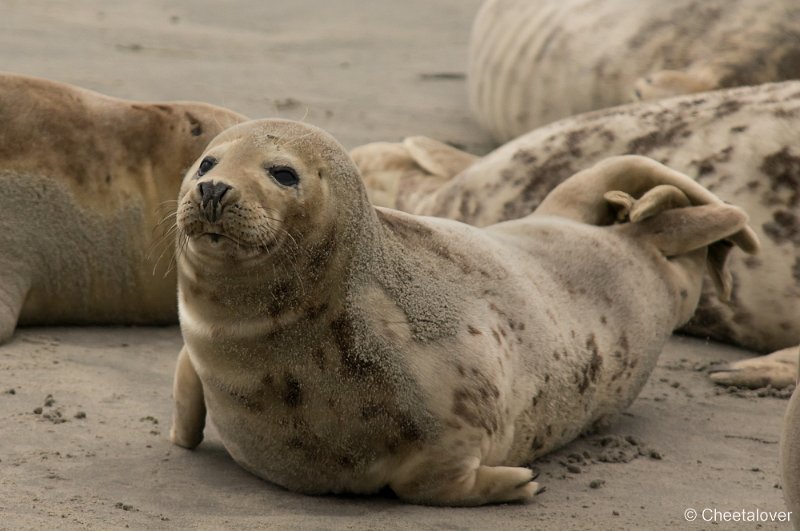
x=790, y=455
x=534, y=62
x=343, y=348
x=744, y=144
x=84, y=180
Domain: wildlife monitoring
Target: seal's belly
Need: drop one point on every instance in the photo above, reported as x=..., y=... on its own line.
x=304, y=442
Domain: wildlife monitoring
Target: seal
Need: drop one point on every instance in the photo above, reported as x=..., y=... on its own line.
x=531, y=63
x=741, y=143
x=790, y=454
x=340, y=347
x=85, y=178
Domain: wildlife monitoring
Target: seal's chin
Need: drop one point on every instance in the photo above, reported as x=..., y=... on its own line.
x=218, y=245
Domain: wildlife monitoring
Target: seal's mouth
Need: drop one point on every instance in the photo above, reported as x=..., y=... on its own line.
x=221, y=245
x=215, y=237
x=223, y=240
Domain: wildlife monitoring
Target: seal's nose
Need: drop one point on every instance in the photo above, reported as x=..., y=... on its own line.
x=211, y=194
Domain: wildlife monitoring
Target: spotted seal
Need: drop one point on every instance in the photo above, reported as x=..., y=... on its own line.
x=740, y=143
x=534, y=62
x=84, y=178
x=340, y=347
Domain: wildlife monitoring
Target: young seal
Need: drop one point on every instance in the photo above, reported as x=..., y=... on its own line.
x=343, y=348
x=85, y=178
x=534, y=62
x=740, y=143
x=790, y=454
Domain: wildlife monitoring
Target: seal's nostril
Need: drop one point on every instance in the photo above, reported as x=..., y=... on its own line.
x=211, y=191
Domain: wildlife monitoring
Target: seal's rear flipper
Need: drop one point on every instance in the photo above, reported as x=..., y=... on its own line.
x=655, y=198
x=383, y=165
x=438, y=158
x=777, y=370
x=679, y=231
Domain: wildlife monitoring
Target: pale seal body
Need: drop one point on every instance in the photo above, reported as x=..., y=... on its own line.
x=743, y=144
x=533, y=62
x=86, y=180
x=790, y=456
x=343, y=348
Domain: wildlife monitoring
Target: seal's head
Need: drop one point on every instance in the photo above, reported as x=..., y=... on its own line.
x=264, y=187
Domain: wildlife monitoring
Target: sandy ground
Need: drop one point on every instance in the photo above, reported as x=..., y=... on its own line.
x=84, y=412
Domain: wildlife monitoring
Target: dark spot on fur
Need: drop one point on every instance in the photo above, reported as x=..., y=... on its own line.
x=293, y=395
x=474, y=331
x=596, y=360
x=320, y=254
x=353, y=364
x=739, y=129
x=409, y=429
x=783, y=170
x=345, y=461
x=537, y=444
x=473, y=404
x=784, y=227
x=318, y=356
x=539, y=178
x=370, y=411
x=496, y=336
x=788, y=65
x=684, y=294
x=727, y=107
x=603, y=319
x=194, y=123
x=295, y=443
x=661, y=137
x=796, y=270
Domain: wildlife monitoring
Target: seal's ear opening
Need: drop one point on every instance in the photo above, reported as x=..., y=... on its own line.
x=438, y=158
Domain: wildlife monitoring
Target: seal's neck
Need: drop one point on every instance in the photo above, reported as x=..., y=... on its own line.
x=305, y=277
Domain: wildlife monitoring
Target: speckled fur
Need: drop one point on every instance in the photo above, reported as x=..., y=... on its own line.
x=743, y=144
x=83, y=178
x=427, y=355
x=533, y=62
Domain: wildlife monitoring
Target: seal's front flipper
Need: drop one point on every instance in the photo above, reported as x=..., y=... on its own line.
x=189, y=409
x=778, y=370
x=469, y=487
x=13, y=290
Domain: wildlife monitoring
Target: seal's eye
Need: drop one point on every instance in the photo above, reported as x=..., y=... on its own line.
x=206, y=165
x=285, y=176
